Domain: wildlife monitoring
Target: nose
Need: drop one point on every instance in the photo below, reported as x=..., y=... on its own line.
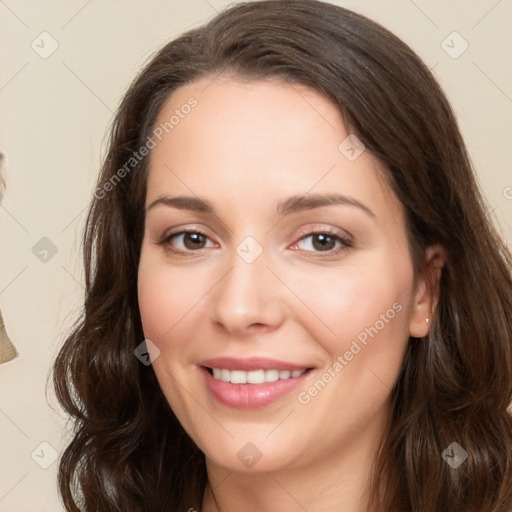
x=248, y=299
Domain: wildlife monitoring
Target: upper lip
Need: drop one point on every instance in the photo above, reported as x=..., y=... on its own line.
x=250, y=364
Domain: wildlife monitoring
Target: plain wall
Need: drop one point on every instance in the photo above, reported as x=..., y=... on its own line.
x=55, y=112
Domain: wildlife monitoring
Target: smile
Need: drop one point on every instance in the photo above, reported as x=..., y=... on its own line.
x=252, y=383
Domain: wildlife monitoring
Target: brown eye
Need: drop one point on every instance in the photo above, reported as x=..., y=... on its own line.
x=322, y=242
x=192, y=240
x=185, y=242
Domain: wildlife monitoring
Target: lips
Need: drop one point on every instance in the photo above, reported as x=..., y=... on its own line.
x=251, y=383
x=253, y=363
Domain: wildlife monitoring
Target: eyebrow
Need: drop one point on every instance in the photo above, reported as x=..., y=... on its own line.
x=293, y=204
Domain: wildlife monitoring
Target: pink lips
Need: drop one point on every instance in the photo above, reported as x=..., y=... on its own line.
x=254, y=363
x=249, y=396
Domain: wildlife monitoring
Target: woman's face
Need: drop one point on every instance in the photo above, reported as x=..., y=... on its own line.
x=273, y=249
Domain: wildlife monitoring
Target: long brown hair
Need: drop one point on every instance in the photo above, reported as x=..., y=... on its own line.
x=129, y=452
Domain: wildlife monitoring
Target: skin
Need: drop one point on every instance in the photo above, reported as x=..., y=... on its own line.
x=245, y=147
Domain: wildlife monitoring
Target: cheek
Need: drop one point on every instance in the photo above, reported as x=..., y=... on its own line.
x=167, y=298
x=342, y=304
x=373, y=324
x=367, y=308
x=364, y=330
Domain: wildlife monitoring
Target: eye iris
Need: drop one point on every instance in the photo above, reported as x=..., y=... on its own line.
x=196, y=239
x=326, y=242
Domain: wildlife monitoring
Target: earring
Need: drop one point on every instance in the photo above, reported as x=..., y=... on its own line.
x=427, y=320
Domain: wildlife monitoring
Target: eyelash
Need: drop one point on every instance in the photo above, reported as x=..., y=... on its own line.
x=346, y=243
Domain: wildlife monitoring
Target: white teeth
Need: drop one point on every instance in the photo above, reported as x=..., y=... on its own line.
x=271, y=375
x=238, y=377
x=254, y=376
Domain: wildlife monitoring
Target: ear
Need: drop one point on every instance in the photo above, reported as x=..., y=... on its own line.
x=427, y=291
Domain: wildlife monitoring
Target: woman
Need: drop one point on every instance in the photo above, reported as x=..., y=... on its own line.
x=288, y=218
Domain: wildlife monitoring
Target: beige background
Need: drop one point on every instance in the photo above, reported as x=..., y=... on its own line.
x=54, y=115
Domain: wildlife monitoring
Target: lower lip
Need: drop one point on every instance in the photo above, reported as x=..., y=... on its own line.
x=251, y=396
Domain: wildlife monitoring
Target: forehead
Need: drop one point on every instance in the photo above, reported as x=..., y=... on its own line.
x=245, y=141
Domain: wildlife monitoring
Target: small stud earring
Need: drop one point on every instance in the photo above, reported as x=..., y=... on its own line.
x=427, y=320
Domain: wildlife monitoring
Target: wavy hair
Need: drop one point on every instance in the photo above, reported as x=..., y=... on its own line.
x=128, y=451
